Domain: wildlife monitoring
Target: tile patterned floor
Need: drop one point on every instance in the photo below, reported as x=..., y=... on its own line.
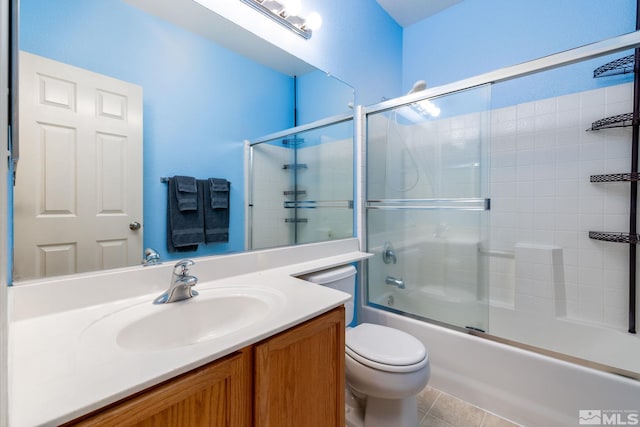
x=438, y=409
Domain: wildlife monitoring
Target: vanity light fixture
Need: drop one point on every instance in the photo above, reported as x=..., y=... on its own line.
x=286, y=13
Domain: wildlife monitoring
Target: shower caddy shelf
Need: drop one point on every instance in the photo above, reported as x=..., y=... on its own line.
x=294, y=192
x=616, y=177
x=295, y=166
x=624, y=65
x=619, y=121
x=615, y=237
x=296, y=220
x=294, y=142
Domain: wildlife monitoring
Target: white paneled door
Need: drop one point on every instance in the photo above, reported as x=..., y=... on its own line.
x=78, y=192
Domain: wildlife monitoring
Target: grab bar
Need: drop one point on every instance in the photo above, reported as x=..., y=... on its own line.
x=313, y=204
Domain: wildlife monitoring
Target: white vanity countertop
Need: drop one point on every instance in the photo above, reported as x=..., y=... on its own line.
x=59, y=371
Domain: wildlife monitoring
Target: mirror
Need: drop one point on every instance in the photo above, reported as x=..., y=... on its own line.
x=301, y=188
x=189, y=90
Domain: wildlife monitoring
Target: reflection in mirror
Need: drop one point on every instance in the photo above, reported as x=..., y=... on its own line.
x=302, y=186
x=165, y=101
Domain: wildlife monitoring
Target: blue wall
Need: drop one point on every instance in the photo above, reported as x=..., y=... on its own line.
x=360, y=44
x=200, y=100
x=478, y=36
x=321, y=96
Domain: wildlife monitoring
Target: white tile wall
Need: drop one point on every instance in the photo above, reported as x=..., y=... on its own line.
x=269, y=181
x=329, y=177
x=539, y=279
x=329, y=163
x=541, y=161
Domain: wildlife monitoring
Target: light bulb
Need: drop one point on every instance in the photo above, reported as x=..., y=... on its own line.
x=292, y=7
x=313, y=21
x=273, y=6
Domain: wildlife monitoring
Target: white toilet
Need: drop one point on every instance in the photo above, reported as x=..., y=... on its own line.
x=386, y=368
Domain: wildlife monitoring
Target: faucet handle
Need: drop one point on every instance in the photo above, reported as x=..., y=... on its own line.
x=182, y=267
x=389, y=254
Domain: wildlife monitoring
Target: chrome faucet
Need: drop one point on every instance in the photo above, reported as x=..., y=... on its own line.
x=181, y=284
x=151, y=257
x=389, y=254
x=399, y=283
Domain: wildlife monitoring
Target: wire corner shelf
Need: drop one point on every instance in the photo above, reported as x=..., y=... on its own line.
x=294, y=166
x=615, y=237
x=619, y=121
x=616, y=177
x=624, y=65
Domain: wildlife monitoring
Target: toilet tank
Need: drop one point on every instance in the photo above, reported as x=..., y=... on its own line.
x=340, y=278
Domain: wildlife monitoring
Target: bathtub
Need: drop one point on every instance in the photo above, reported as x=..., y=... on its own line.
x=614, y=350
x=453, y=307
x=528, y=388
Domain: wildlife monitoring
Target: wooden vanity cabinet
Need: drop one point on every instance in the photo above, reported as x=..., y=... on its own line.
x=299, y=375
x=295, y=378
x=214, y=395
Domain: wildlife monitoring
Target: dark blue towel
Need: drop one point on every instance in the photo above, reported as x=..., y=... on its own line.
x=216, y=220
x=219, y=189
x=185, y=229
x=186, y=193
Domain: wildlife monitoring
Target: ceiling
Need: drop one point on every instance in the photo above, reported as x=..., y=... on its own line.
x=196, y=18
x=408, y=12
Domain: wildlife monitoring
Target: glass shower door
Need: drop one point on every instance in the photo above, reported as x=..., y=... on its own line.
x=301, y=185
x=324, y=184
x=427, y=208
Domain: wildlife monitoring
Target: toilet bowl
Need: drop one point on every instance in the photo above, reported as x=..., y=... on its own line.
x=385, y=368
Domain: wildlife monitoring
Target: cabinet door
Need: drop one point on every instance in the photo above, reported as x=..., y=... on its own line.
x=299, y=375
x=218, y=394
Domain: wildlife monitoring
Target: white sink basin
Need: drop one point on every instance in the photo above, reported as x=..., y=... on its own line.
x=212, y=314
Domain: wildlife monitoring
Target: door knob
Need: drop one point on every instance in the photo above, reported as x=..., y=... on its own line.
x=135, y=226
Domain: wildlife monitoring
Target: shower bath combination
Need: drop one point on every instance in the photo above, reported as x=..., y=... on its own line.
x=493, y=247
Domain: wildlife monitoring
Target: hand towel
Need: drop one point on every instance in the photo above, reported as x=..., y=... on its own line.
x=216, y=220
x=185, y=229
x=186, y=193
x=219, y=189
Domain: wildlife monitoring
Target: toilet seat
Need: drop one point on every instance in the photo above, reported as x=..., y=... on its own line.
x=386, y=349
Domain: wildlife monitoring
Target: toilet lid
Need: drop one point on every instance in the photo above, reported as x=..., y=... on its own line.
x=383, y=345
